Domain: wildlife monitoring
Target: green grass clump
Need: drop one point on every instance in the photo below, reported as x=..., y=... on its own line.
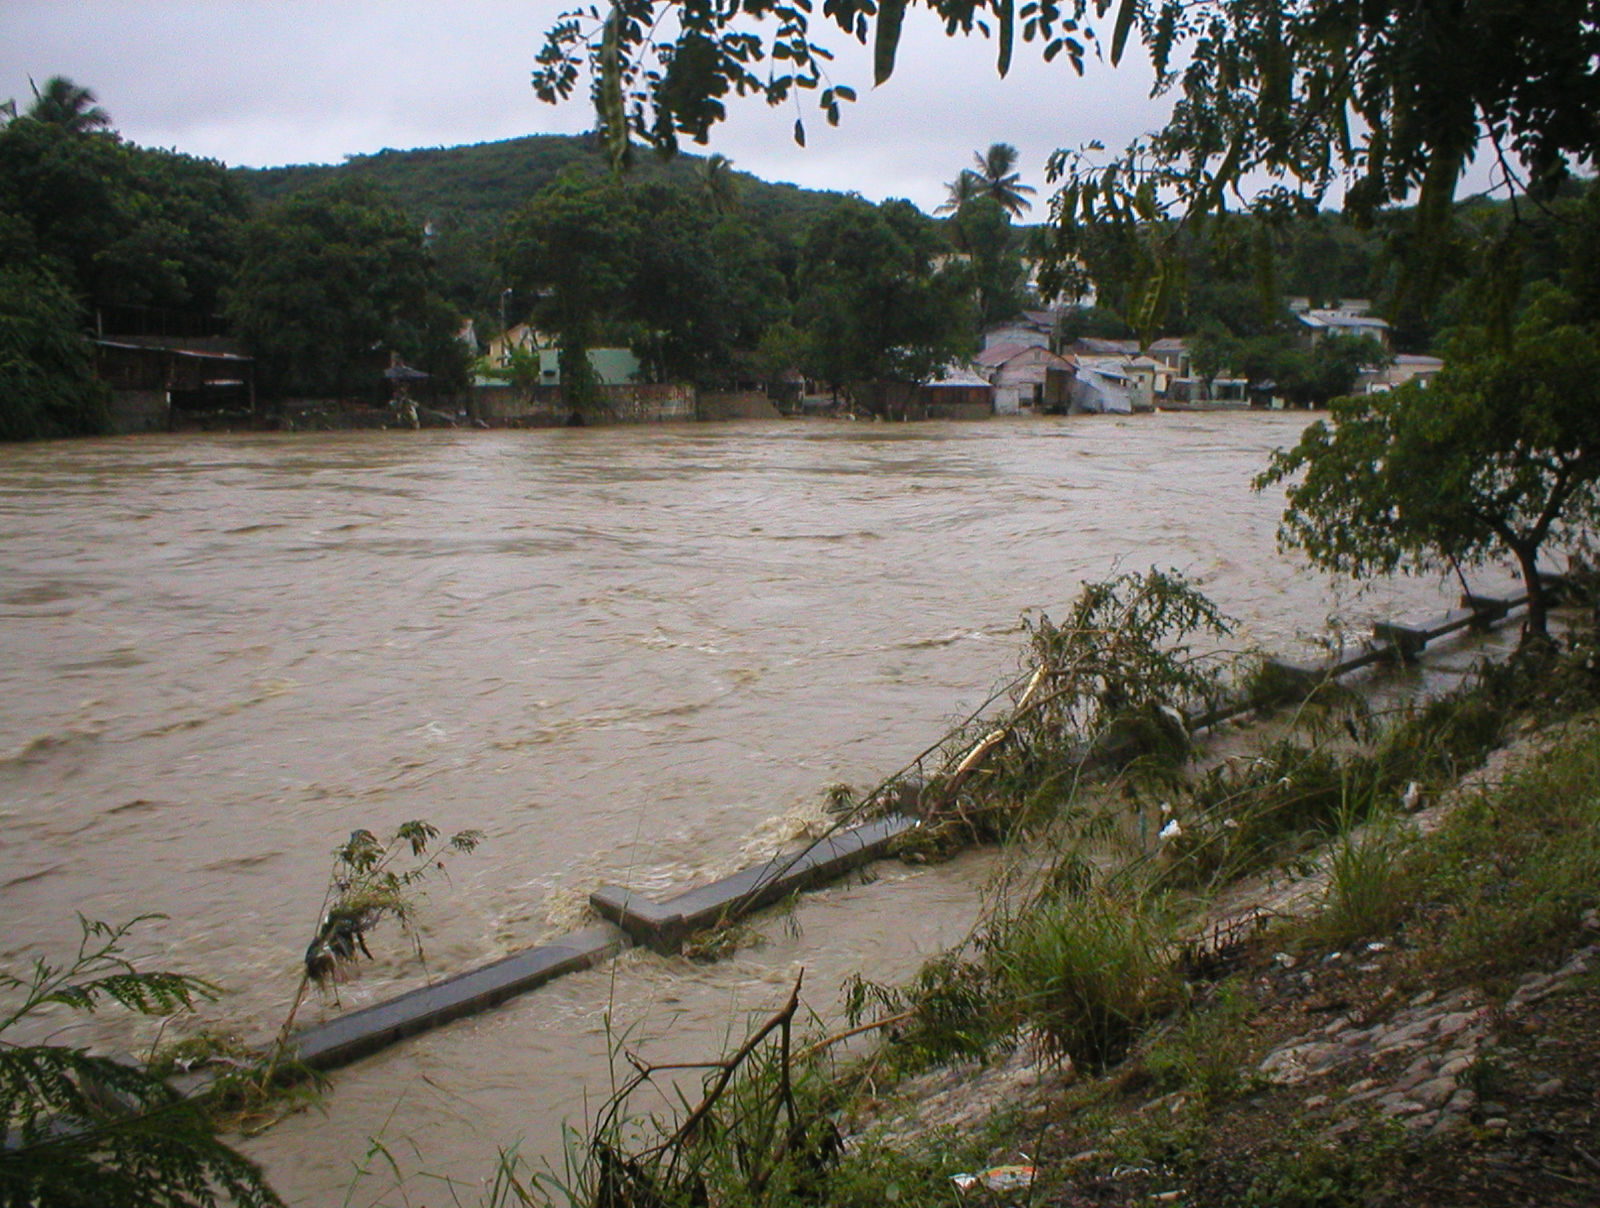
x=1513, y=872
x=1364, y=864
x=1088, y=971
x=1207, y=1052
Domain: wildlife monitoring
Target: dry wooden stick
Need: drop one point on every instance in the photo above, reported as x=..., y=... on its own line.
x=827, y=1042
x=727, y=1067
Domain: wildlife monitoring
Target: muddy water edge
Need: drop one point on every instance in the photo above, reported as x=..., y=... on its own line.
x=636, y=655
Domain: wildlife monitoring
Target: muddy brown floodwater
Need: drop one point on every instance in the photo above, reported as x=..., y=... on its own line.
x=630, y=654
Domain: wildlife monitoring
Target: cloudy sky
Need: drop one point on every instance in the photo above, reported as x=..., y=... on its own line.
x=267, y=82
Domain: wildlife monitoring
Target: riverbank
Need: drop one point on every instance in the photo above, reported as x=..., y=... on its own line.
x=1404, y=1013
x=1441, y=1052
x=136, y=412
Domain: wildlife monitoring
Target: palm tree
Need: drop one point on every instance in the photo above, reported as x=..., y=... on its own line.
x=996, y=177
x=63, y=103
x=719, y=185
x=962, y=190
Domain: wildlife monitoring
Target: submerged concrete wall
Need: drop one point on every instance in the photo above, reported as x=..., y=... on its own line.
x=664, y=925
x=735, y=404
x=140, y=411
x=546, y=406
x=539, y=407
x=343, y=1040
x=649, y=403
x=631, y=918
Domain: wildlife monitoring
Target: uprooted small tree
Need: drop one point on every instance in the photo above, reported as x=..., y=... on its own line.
x=372, y=880
x=1111, y=684
x=1500, y=454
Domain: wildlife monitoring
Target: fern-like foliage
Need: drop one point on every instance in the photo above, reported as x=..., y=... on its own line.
x=84, y=1129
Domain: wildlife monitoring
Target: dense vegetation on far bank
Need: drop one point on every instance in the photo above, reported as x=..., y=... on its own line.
x=710, y=276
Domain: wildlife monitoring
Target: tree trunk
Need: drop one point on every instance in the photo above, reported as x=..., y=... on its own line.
x=579, y=386
x=1534, y=626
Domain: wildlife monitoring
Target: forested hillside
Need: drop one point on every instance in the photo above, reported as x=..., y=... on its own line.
x=487, y=181
x=466, y=195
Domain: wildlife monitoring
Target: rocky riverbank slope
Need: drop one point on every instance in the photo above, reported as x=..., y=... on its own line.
x=1445, y=1052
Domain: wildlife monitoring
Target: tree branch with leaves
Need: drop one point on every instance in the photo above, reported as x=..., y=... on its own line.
x=1499, y=455
x=80, y=1128
x=1291, y=100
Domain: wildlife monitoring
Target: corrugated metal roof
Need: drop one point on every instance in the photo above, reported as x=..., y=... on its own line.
x=999, y=354
x=957, y=375
x=1333, y=318
x=177, y=352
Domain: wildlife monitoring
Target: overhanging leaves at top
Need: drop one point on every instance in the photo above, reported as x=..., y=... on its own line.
x=1383, y=100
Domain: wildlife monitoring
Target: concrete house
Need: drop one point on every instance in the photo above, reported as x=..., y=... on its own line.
x=520, y=338
x=1173, y=353
x=1026, y=378
x=1405, y=367
x=1348, y=319
x=612, y=366
x=1030, y=329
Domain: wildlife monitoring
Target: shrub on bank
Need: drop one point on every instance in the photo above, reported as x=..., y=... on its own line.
x=1087, y=972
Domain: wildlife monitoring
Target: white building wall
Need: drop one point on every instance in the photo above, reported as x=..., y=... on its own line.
x=1008, y=400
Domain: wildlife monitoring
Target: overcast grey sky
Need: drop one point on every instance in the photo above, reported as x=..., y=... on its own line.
x=266, y=82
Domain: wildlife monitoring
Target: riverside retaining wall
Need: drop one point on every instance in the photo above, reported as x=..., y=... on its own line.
x=140, y=411
x=546, y=406
x=632, y=917
x=715, y=405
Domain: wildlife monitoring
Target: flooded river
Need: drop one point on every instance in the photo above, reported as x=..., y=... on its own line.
x=636, y=655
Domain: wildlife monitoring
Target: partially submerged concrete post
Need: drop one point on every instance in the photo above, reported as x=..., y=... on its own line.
x=1487, y=611
x=664, y=926
x=1283, y=683
x=1404, y=641
x=342, y=1040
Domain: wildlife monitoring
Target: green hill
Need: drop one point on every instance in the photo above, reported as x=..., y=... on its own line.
x=464, y=195
x=482, y=183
